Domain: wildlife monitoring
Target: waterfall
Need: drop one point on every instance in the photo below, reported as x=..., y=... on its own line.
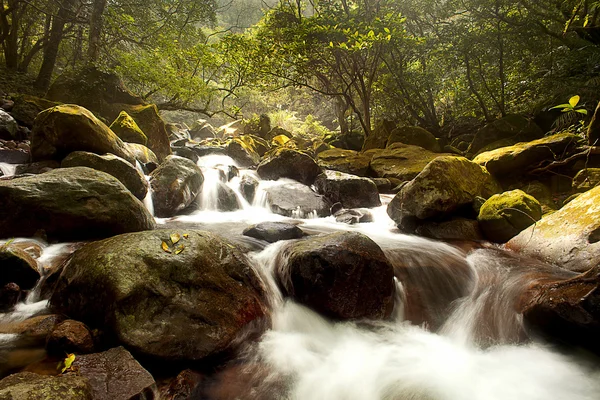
x=7, y=169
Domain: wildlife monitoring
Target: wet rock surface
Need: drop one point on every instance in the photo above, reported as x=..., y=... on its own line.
x=274, y=231
x=296, y=199
x=30, y=386
x=290, y=164
x=349, y=190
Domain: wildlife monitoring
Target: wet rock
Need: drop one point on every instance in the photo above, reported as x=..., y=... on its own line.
x=540, y=192
x=30, y=386
x=70, y=204
x=202, y=130
x=178, y=131
x=183, y=387
x=14, y=156
x=445, y=185
x=454, y=229
x=190, y=303
x=70, y=337
x=274, y=231
x=240, y=152
x=203, y=150
x=248, y=186
x=27, y=108
x=36, y=328
x=64, y=129
x=8, y=126
x=341, y=275
x=505, y=215
x=296, y=200
x=586, y=179
x=9, y=296
x=291, y=164
x=384, y=185
x=141, y=153
x=349, y=190
x=513, y=126
x=569, y=237
x=185, y=152
x=126, y=128
x=17, y=266
x=151, y=123
x=226, y=198
x=401, y=161
x=114, y=375
x=175, y=185
x=415, y=136
x=115, y=166
x=37, y=167
x=351, y=217
x=348, y=161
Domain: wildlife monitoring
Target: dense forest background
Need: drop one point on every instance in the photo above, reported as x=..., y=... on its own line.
x=332, y=64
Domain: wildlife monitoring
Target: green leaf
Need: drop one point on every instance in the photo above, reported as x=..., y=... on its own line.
x=574, y=100
x=582, y=111
x=566, y=106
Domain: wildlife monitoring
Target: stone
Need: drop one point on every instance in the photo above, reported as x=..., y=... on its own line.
x=379, y=136
x=292, y=164
x=8, y=126
x=513, y=126
x=345, y=276
x=9, y=296
x=70, y=204
x=181, y=305
x=348, y=161
x=242, y=154
x=64, y=129
x=177, y=131
x=35, y=329
x=17, y=266
x=505, y=215
x=70, y=337
x=569, y=237
x=30, y=386
x=353, y=216
x=454, y=229
x=115, y=166
x=349, y=190
x=415, y=136
x=401, y=161
x=185, y=152
x=27, y=108
x=175, y=185
x=274, y=231
x=296, y=200
x=37, y=167
x=151, y=123
x=586, y=179
x=202, y=130
x=183, y=387
x=126, y=128
x=248, y=186
x=226, y=198
x=14, y=156
x=141, y=153
x=540, y=192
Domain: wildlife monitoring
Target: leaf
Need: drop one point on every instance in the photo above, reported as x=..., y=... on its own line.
x=165, y=247
x=175, y=238
x=582, y=111
x=567, y=106
x=68, y=362
x=574, y=100
x=186, y=235
x=179, y=249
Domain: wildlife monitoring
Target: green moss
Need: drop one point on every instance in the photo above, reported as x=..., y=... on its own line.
x=128, y=130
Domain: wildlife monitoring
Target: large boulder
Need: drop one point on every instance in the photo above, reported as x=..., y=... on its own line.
x=64, y=129
x=126, y=128
x=343, y=275
x=349, y=190
x=8, y=126
x=505, y=215
x=379, y=136
x=151, y=123
x=177, y=295
x=296, y=200
x=141, y=153
x=517, y=159
x=444, y=186
x=274, y=231
x=17, y=266
x=27, y=108
x=126, y=173
x=175, y=185
x=415, y=136
x=513, y=126
x=401, y=161
x=70, y=204
x=569, y=237
x=30, y=386
x=348, y=161
x=243, y=153
x=292, y=164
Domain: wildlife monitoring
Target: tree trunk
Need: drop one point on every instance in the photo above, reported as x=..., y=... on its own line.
x=95, y=29
x=340, y=111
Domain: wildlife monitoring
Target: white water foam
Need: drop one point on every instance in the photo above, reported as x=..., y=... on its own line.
x=7, y=169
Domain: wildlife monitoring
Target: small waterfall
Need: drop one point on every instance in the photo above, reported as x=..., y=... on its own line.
x=7, y=169
x=148, y=198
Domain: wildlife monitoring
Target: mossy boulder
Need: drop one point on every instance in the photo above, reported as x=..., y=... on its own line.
x=126, y=173
x=27, y=108
x=540, y=192
x=348, y=161
x=516, y=160
x=61, y=130
x=151, y=123
x=569, y=237
x=586, y=179
x=350, y=190
x=401, y=161
x=287, y=163
x=505, y=215
x=415, y=136
x=142, y=153
x=189, y=302
x=379, y=136
x=242, y=151
x=30, y=386
x=513, y=126
x=445, y=185
x=126, y=128
x=70, y=204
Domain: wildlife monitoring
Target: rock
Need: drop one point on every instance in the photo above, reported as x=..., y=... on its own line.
x=30, y=386
x=341, y=275
x=248, y=186
x=178, y=132
x=141, y=153
x=185, y=152
x=278, y=131
x=454, y=229
x=115, y=166
x=401, y=161
x=452, y=150
x=512, y=126
x=168, y=306
x=151, y=123
x=70, y=337
x=291, y=164
x=208, y=150
x=517, y=159
x=9, y=297
x=241, y=153
x=296, y=200
x=114, y=375
x=505, y=215
x=27, y=108
x=274, y=231
x=496, y=145
x=183, y=387
x=540, y=192
x=36, y=328
x=64, y=129
x=586, y=179
x=593, y=132
x=8, y=126
x=202, y=130
x=126, y=129
x=18, y=267
x=351, y=217
x=379, y=136
x=569, y=237
x=443, y=187
x=415, y=136
x=226, y=198
x=37, y=167
x=384, y=185
x=348, y=161
x=70, y=204
x=175, y=185
x=14, y=156
x=350, y=190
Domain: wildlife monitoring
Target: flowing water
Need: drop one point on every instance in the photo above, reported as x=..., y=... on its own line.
x=454, y=333
x=7, y=169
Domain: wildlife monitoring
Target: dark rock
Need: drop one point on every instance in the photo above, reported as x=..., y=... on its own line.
x=14, y=156
x=9, y=297
x=401, y=161
x=341, y=275
x=379, y=137
x=36, y=328
x=8, y=126
x=127, y=129
x=291, y=164
x=274, y=231
x=186, y=304
x=349, y=190
x=226, y=198
x=175, y=185
x=183, y=387
x=208, y=150
x=586, y=179
x=185, y=152
x=70, y=204
x=30, y=386
x=415, y=136
x=248, y=186
x=454, y=229
x=244, y=155
x=296, y=200
x=70, y=337
x=18, y=267
x=384, y=185
x=202, y=130
x=348, y=161
x=37, y=167
x=178, y=132
x=512, y=126
x=27, y=108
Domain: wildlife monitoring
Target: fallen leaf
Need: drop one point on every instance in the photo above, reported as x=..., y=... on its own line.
x=179, y=249
x=68, y=362
x=175, y=238
x=186, y=235
x=165, y=247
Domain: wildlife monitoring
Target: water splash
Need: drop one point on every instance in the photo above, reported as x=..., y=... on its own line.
x=7, y=169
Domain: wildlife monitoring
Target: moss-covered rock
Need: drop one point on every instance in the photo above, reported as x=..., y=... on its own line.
x=151, y=123
x=379, y=136
x=415, y=136
x=141, y=153
x=242, y=151
x=540, y=192
x=30, y=386
x=401, y=161
x=126, y=128
x=185, y=304
x=27, y=108
x=348, y=161
x=287, y=163
x=505, y=215
x=64, y=129
x=569, y=237
x=516, y=160
x=586, y=179
x=513, y=126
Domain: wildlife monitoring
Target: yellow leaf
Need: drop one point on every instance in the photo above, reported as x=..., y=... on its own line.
x=175, y=238
x=68, y=362
x=574, y=100
x=165, y=247
x=179, y=249
x=186, y=235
